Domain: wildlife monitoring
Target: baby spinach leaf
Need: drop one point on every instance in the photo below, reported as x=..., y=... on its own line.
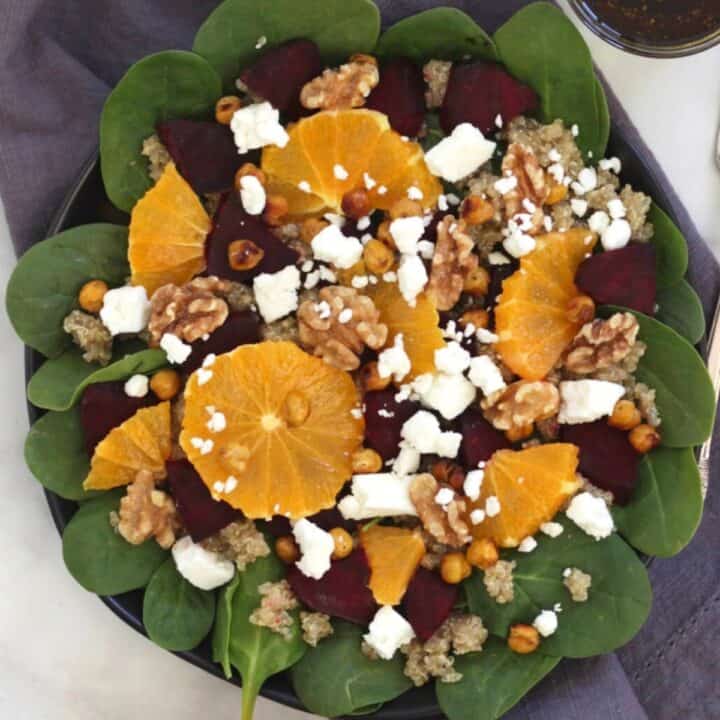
x=335, y=678
x=441, y=33
x=176, y=614
x=618, y=603
x=45, y=284
x=99, y=558
x=670, y=247
x=540, y=46
x=493, y=681
x=229, y=37
x=666, y=507
x=59, y=382
x=170, y=84
x=680, y=308
x=256, y=652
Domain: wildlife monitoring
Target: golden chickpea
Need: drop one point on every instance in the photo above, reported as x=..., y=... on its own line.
x=515, y=434
x=454, y=568
x=249, y=169
x=478, y=317
x=476, y=210
x=477, y=281
x=91, y=296
x=370, y=377
x=405, y=208
x=523, y=639
x=366, y=460
x=644, y=438
x=482, y=553
x=226, y=107
x=165, y=384
x=378, y=257
x=558, y=192
x=276, y=208
x=580, y=309
x=356, y=203
x=244, y=254
x=625, y=416
x=343, y=543
x=286, y=549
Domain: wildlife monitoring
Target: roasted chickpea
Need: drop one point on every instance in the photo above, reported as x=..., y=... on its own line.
x=356, y=203
x=244, y=254
x=366, y=460
x=276, y=208
x=91, y=296
x=477, y=281
x=226, y=107
x=405, y=208
x=343, y=543
x=378, y=257
x=625, y=416
x=644, y=438
x=165, y=384
x=286, y=549
x=454, y=568
x=482, y=553
x=476, y=210
x=523, y=639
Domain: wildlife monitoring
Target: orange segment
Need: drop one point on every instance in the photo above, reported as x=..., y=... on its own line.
x=290, y=430
x=531, y=315
x=140, y=443
x=393, y=554
x=531, y=486
x=168, y=228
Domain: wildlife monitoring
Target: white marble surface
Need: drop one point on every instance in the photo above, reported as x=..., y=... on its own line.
x=63, y=655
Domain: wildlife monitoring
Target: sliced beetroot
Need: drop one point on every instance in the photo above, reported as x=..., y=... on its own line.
x=478, y=92
x=607, y=458
x=280, y=72
x=428, y=602
x=279, y=525
x=104, y=406
x=201, y=515
x=231, y=223
x=342, y=592
x=624, y=277
x=479, y=439
x=384, y=418
x=204, y=153
x=400, y=94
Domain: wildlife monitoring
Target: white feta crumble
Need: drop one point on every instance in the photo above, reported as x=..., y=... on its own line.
x=332, y=246
x=203, y=376
x=444, y=496
x=450, y=395
x=442, y=203
x=311, y=280
x=176, y=350
x=200, y=567
x=497, y=258
x=252, y=195
x=426, y=249
x=518, y=244
x=473, y=483
x=554, y=155
x=486, y=375
x=459, y=154
x=378, y=495
x=345, y=316
x=137, y=386
x=498, y=121
x=557, y=172
x=546, y=623
x=422, y=431
x=612, y=164
x=617, y=235
x=583, y=401
x=388, y=632
x=579, y=206
x=360, y=281
x=616, y=208
x=217, y=422
x=382, y=190
x=452, y=359
x=394, y=361
x=412, y=278
x=591, y=515
x=363, y=223
x=477, y=516
x=486, y=337
x=125, y=309
x=448, y=444
x=505, y=184
x=368, y=181
x=304, y=185
x=527, y=545
x=599, y=221
x=261, y=42
x=276, y=294
x=316, y=546
x=575, y=130
x=552, y=529
x=256, y=126
x=390, y=276
x=340, y=172
x=406, y=232
x=492, y=506
x=335, y=219
x=587, y=178
x=407, y=461
x=415, y=193
x=453, y=199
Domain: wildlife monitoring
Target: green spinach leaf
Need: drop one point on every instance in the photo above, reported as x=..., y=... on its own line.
x=256, y=652
x=176, y=614
x=680, y=308
x=441, y=33
x=45, y=284
x=99, y=558
x=618, y=603
x=59, y=382
x=670, y=247
x=229, y=36
x=493, y=681
x=167, y=85
x=335, y=678
x=667, y=504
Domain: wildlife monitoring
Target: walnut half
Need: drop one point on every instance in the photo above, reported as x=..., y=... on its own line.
x=521, y=404
x=445, y=523
x=531, y=190
x=344, y=88
x=602, y=343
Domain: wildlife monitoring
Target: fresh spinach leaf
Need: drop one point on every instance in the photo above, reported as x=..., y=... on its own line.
x=493, y=681
x=45, y=284
x=680, y=308
x=667, y=503
x=170, y=84
x=335, y=678
x=99, y=558
x=540, y=46
x=618, y=603
x=670, y=247
x=441, y=33
x=228, y=39
x=59, y=382
x=176, y=614
x=256, y=652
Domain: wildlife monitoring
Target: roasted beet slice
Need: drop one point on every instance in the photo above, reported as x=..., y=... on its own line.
x=383, y=431
x=326, y=519
x=201, y=515
x=607, y=458
x=231, y=223
x=204, y=153
x=478, y=92
x=480, y=439
x=624, y=277
x=428, y=602
x=104, y=406
x=400, y=94
x=280, y=72
x=342, y=592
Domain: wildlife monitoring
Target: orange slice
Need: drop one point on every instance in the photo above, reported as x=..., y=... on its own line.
x=140, y=443
x=530, y=485
x=332, y=151
x=290, y=429
x=531, y=317
x=393, y=554
x=168, y=228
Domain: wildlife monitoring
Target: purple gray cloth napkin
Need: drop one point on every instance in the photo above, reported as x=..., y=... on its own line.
x=58, y=61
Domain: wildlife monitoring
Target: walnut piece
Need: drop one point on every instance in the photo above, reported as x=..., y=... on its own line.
x=531, y=190
x=436, y=74
x=90, y=335
x=146, y=512
x=601, y=343
x=445, y=523
x=188, y=311
x=521, y=404
x=339, y=325
x=342, y=89
x=452, y=261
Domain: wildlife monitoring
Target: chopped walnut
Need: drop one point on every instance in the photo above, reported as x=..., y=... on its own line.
x=157, y=155
x=188, y=311
x=445, y=523
x=601, y=343
x=344, y=88
x=531, y=190
x=498, y=581
x=436, y=74
x=340, y=325
x=146, y=512
x=452, y=262
x=240, y=542
x=316, y=626
x=578, y=583
x=90, y=335
x=276, y=600
x=521, y=404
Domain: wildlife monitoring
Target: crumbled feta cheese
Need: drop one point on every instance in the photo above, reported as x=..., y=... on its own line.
x=579, y=207
x=505, y=184
x=557, y=172
x=444, y=496
x=327, y=274
x=304, y=185
x=412, y=278
x=552, y=529
x=276, y=294
x=360, y=281
x=261, y=42
x=203, y=376
x=477, y=516
x=176, y=350
x=492, y=506
x=599, y=222
x=252, y=195
x=617, y=235
x=486, y=375
x=591, y=515
x=422, y=431
x=587, y=178
x=459, y=154
x=452, y=359
x=368, y=181
x=345, y=316
x=363, y=223
x=554, y=155
x=256, y=126
x=394, y=361
x=527, y=545
x=378, y=495
x=406, y=232
x=548, y=223
x=450, y=395
x=332, y=246
x=426, y=249
x=137, y=386
x=316, y=545
x=125, y=309
x=448, y=444
x=473, y=483
x=209, y=360
x=575, y=130
x=452, y=198
x=407, y=461
x=546, y=623
x=204, y=446
x=200, y=567
x=388, y=632
x=498, y=121
x=382, y=190
x=497, y=258
x=612, y=164
x=390, y=276
x=415, y=193
x=485, y=336
x=442, y=203
x=323, y=309
x=312, y=279
x=340, y=172
x=518, y=244
x=217, y=422
x=335, y=219
x=583, y=401
x=616, y=208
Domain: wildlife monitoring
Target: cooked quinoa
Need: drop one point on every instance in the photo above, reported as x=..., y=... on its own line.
x=240, y=542
x=157, y=154
x=315, y=626
x=498, y=581
x=90, y=335
x=276, y=600
x=578, y=583
x=240, y=297
x=436, y=74
x=645, y=397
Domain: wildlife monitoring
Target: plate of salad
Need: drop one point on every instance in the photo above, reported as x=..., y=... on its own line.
x=361, y=365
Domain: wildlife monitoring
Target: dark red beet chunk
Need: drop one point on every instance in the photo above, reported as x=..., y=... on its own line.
x=104, y=406
x=201, y=515
x=231, y=223
x=280, y=73
x=621, y=277
x=204, y=153
x=342, y=592
x=279, y=525
x=383, y=434
x=607, y=458
x=478, y=92
x=400, y=94
x=480, y=439
x=428, y=602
